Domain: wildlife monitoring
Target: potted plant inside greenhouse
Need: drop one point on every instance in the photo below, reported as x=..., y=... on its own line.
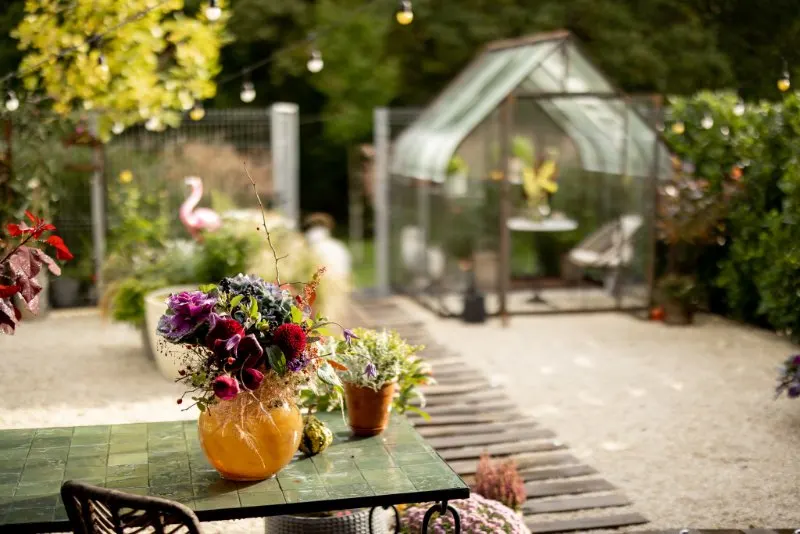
x=383, y=373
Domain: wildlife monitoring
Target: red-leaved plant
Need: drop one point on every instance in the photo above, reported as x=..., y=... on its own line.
x=500, y=481
x=21, y=262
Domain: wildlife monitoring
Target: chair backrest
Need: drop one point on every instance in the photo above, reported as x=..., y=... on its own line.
x=94, y=510
x=615, y=233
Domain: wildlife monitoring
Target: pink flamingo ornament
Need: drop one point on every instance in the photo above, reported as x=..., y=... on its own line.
x=197, y=220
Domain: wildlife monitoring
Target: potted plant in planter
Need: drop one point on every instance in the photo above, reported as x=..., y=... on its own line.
x=382, y=373
x=692, y=214
x=679, y=296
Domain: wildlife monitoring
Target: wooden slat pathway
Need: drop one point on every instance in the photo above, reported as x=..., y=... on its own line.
x=470, y=415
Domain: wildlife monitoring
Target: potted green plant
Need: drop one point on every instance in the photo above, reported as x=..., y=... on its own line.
x=680, y=297
x=382, y=373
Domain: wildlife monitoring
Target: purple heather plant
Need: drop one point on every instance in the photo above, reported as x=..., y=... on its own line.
x=789, y=378
x=186, y=312
x=478, y=515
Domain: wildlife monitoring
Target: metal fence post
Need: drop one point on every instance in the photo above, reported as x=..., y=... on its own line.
x=98, y=203
x=285, y=143
x=381, y=201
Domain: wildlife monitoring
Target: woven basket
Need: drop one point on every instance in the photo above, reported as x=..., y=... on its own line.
x=355, y=523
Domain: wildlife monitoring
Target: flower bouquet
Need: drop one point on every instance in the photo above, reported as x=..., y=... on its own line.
x=380, y=371
x=252, y=345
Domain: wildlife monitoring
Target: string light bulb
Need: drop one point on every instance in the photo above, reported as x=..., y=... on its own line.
x=739, y=108
x=186, y=100
x=197, y=112
x=12, y=103
x=784, y=83
x=678, y=128
x=315, y=63
x=707, y=122
x=153, y=124
x=117, y=128
x=213, y=11
x=405, y=15
x=248, y=93
x=102, y=64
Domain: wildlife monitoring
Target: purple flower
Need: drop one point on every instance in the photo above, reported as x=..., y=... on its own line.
x=186, y=312
x=297, y=364
x=796, y=360
x=794, y=391
x=370, y=370
x=349, y=335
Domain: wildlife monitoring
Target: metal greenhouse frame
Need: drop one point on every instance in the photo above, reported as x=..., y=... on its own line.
x=530, y=137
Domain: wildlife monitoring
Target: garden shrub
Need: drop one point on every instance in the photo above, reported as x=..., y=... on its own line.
x=754, y=271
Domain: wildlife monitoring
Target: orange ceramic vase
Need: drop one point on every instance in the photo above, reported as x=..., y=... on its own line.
x=368, y=410
x=254, y=447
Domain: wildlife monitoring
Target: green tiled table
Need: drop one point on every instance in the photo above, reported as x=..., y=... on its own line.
x=165, y=460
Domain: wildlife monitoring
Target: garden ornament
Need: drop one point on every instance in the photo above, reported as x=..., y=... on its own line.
x=197, y=220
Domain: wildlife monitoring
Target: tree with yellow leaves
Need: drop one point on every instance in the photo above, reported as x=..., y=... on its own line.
x=128, y=61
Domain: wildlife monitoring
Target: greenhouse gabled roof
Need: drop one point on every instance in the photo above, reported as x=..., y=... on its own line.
x=572, y=91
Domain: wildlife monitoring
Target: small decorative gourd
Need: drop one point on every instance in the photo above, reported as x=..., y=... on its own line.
x=316, y=437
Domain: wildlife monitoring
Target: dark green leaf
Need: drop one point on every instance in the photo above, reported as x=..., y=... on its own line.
x=277, y=361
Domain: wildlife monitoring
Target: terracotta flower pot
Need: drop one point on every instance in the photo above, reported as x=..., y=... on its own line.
x=367, y=409
x=676, y=313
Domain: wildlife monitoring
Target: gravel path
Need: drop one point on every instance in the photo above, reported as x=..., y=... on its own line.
x=682, y=419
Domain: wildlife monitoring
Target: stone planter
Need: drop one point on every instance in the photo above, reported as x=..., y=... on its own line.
x=155, y=304
x=355, y=523
x=65, y=292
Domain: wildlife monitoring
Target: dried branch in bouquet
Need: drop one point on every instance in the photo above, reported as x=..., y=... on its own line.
x=266, y=229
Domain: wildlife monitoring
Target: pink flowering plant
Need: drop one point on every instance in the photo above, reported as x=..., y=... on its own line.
x=478, y=515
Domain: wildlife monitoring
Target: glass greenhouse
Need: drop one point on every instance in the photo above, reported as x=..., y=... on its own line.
x=531, y=178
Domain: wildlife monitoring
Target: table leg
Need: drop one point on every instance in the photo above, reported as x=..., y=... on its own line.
x=442, y=508
x=396, y=517
x=536, y=298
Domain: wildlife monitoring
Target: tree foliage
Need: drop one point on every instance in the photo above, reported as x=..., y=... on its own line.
x=128, y=60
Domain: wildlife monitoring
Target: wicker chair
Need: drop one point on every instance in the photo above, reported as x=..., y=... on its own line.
x=94, y=510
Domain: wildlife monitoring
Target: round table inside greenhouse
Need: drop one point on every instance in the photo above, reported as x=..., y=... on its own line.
x=548, y=225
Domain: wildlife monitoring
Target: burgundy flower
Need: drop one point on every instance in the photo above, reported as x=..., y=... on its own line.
x=291, y=339
x=249, y=351
x=252, y=378
x=224, y=329
x=225, y=387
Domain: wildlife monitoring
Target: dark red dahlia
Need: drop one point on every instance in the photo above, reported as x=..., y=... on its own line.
x=291, y=339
